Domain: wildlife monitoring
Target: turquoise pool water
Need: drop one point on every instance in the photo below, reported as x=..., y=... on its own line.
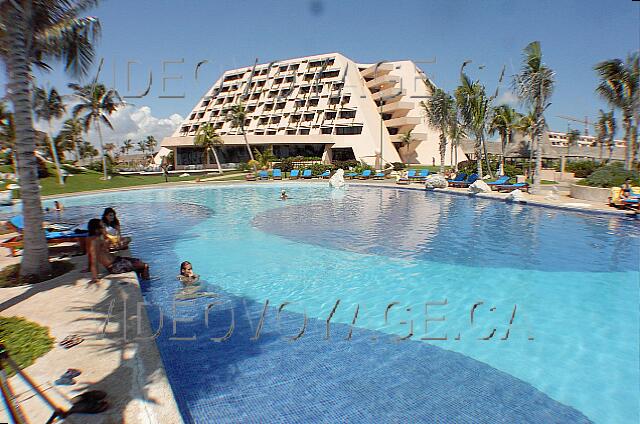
x=572, y=278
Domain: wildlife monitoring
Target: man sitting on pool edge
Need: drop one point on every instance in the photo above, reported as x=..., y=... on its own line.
x=98, y=253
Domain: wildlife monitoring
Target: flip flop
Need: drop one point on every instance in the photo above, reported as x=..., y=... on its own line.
x=65, y=381
x=71, y=373
x=71, y=341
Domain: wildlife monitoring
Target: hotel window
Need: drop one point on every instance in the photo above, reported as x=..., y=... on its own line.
x=289, y=79
x=294, y=119
x=261, y=83
x=291, y=132
x=205, y=103
x=393, y=131
x=281, y=105
x=268, y=107
x=263, y=121
x=313, y=102
x=247, y=122
x=303, y=131
x=201, y=115
x=308, y=117
x=325, y=130
x=337, y=86
x=283, y=68
x=193, y=116
x=275, y=120
x=348, y=130
x=317, y=88
x=334, y=100
x=330, y=115
x=184, y=129
x=271, y=132
x=345, y=99
x=251, y=108
x=218, y=125
x=330, y=74
x=219, y=101
x=195, y=127
x=305, y=90
x=347, y=114
x=294, y=67
x=308, y=77
x=300, y=102
x=278, y=80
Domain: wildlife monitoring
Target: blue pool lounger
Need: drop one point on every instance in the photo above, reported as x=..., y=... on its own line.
x=466, y=183
x=277, y=174
x=351, y=175
x=295, y=173
x=459, y=178
x=379, y=176
x=365, y=174
x=500, y=181
x=424, y=173
x=411, y=174
x=511, y=187
x=325, y=174
x=263, y=175
x=306, y=174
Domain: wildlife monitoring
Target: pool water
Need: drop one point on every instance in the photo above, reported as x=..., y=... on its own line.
x=553, y=294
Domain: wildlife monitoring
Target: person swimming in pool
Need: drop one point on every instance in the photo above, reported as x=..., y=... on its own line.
x=187, y=275
x=283, y=195
x=192, y=288
x=98, y=254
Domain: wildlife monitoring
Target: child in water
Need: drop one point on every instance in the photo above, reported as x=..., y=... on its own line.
x=283, y=195
x=186, y=273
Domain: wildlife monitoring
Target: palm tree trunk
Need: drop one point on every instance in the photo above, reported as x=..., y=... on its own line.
x=456, y=162
x=504, y=144
x=104, y=158
x=247, y=143
x=538, y=171
x=54, y=152
x=443, y=151
x=628, y=148
x=478, y=151
x=215, y=156
x=601, y=149
x=451, y=158
x=529, y=175
x=35, y=256
x=77, y=149
x=486, y=157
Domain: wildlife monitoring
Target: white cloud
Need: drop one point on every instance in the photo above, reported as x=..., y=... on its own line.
x=129, y=122
x=507, y=97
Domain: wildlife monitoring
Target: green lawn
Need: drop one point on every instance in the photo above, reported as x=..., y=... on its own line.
x=24, y=340
x=90, y=180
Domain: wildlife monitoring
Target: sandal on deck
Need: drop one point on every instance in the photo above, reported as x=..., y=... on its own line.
x=71, y=341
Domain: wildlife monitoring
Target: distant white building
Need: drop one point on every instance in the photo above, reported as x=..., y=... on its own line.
x=324, y=106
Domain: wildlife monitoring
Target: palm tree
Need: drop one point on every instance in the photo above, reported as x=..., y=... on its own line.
x=526, y=126
x=151, y=143
x=572, y=139
x=207, y=138
x=142, y=146
x=534, y=86
x=110, y=148
x=456, y=134
x=438, y=110
x=473, y=107
x=620, y=87
x=126, y=146
x=71, y=135
x=32, y=33
x=8, y=132
x=87, y=150
x=47, y=107
x=96, y=104
x=611, y=126
x=504, y=122
x=237, y=115
x=265, y=158
x=406, y=139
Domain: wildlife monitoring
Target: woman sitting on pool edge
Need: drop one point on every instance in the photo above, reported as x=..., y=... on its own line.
x=112, y=226
x=98, y=253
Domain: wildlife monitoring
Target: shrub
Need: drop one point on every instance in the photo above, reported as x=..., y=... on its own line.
x=512, y=170
x=582, y=168
x=286, y=165
x=611, y=176
x=398, y=166
x=468, y=167
x=319, y=168
x=363, y=166
x=346, y=164
x=97, y=165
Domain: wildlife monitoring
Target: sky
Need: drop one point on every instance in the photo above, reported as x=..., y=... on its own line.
x=167, y=39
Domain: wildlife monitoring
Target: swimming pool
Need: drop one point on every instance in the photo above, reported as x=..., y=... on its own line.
x=402, y=259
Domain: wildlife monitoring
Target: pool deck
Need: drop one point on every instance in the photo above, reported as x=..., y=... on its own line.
x=130, y=371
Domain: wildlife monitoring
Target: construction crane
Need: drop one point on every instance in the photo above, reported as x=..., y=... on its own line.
x=584, y=121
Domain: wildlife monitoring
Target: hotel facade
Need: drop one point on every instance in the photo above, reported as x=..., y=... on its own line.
x=325, y=106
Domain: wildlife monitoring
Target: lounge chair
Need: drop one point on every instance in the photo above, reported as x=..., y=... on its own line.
x=424, y=173
x=379, y=176
x=71, y=233
x=325, y=174
x=459, y=178
x=263, y=175
x=511, y=187
x=294, y=174
x=466, y=183
x=276, y=174
x=500, y=181
x=366, y=174
x=411, y=174
x=306, y=174
x=351, y=175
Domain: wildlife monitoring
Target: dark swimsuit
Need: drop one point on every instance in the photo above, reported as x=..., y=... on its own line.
x=120, y=265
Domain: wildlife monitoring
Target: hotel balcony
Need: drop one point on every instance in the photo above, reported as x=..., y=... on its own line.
x=384, y=68
x=405, y=120
x=383, y=81
x=397, y=106
x=388, y=94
